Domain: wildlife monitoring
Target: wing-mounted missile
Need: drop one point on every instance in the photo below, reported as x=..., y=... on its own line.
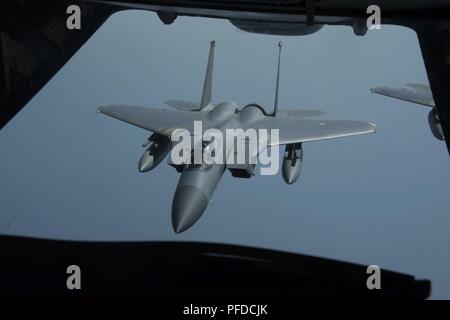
x=292, y=162
x=435, y=125
x=158, y=146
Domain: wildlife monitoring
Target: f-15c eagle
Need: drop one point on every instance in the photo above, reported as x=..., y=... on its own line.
x=198, y=181
x=419, y=94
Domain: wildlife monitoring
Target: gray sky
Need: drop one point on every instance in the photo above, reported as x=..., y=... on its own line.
x=67, y=172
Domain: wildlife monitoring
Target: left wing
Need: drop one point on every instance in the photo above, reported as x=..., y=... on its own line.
x=304, y=130
x=162, y=121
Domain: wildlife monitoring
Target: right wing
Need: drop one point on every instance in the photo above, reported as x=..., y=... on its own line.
x=304, y=130
x=419, y=95
x=162, y=121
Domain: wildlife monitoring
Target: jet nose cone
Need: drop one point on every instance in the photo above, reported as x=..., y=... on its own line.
x=188, y=205
x=146, y=162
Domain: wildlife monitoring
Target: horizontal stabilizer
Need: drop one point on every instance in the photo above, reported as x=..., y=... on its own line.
x=183, y=105
x=419, y=87
x=299, y=113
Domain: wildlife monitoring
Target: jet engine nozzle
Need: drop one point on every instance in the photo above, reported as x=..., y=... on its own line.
x=292, y=162
x=158, y=148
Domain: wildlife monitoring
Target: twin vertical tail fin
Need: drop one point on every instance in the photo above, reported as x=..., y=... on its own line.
x=207, y=85
x=275, y=106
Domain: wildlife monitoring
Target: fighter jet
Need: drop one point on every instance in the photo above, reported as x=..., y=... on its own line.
x=419, y=94
x=198, y=181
